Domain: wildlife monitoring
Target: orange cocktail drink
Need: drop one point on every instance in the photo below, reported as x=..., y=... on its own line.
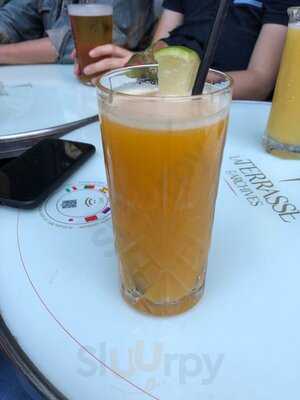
x=163, y=160
x=283, y=130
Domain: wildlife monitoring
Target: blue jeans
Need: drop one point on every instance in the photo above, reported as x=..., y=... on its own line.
x=13, y=385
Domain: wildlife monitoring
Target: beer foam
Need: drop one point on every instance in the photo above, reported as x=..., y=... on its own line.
x=145, y=90
x=89, y=10
x=173, y=114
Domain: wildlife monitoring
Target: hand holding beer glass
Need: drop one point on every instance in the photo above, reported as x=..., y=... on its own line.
x=92, y=26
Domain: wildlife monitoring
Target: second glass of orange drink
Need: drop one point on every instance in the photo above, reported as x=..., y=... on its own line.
x=282, y=136
x=163, y=156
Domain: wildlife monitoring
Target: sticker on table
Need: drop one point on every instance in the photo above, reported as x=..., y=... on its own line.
x=78, y=205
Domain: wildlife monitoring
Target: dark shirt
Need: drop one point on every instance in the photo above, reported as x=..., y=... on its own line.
x=242, y=27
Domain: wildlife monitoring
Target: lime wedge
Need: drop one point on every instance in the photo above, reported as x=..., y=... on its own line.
x=177, y=70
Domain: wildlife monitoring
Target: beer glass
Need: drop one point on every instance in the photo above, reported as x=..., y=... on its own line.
x=283, y=131
x=91, y=26
x=162, y=157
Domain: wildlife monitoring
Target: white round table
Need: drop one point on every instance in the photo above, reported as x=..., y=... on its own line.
x=62, y=312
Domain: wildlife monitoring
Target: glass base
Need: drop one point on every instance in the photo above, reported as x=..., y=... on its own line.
x=282, y=150
x=85, y=80
x=142, y=304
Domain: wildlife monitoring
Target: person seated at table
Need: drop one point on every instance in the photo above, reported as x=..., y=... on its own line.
x=250, y=46
x=34, y=31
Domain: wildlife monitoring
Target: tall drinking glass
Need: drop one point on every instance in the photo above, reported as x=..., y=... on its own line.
x=283, y=130
x=91, y=26
x=163, y=157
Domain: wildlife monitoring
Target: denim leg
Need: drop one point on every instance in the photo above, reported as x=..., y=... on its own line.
x=12, y=385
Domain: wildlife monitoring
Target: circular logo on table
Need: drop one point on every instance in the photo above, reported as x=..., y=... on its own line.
x=79, y=205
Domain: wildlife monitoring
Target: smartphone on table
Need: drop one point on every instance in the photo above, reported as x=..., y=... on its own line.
x=27, y=180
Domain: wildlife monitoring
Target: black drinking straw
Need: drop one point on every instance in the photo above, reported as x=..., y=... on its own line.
x=211, y=46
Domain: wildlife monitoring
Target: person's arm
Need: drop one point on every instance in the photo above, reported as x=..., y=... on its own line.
x=19, y=21
x=168, y=21
x=29, y=52
x=258, y=81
